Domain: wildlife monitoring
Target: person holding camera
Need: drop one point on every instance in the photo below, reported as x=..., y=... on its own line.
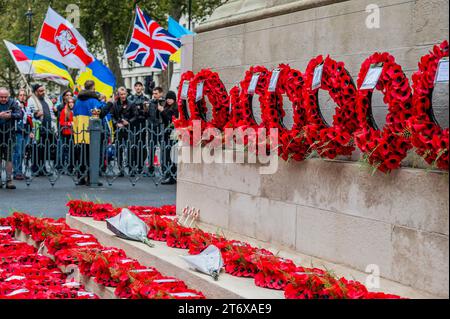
x=141, y=105
x=9, y=114
x=167, y=113
x=155, y=123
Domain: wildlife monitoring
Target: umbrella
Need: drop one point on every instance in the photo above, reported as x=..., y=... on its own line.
x=128, y=226
x=209, y=261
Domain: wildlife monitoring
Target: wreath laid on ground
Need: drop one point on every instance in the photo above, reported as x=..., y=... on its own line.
x=384, y=149
x=427, y=136
x=337, y=139
x=292, y=142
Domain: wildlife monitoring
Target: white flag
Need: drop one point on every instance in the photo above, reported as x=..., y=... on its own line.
x=61, y=41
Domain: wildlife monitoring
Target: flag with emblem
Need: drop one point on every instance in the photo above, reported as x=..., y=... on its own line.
x=61, y=41
x=150, y=44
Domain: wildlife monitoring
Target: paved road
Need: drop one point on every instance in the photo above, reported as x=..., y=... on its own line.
x=43, y=199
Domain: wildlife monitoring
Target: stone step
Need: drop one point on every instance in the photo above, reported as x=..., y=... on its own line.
x=340, y=270
x=167, y=260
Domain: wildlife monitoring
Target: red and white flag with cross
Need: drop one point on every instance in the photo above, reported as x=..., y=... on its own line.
x=61, y=41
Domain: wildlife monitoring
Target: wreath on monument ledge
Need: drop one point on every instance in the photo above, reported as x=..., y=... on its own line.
x=384, y=149
x=183, y=123
x=292, y=142
x=246, y=129
x=430, y=140
x=217, y=94
x=331, y=141
x=235, y=117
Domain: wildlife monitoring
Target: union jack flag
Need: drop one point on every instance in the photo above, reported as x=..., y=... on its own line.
x=150, y=44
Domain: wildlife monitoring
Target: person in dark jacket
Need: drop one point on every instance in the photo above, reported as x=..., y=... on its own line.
x=124, y=116
x=141, y=105
x=24, y=134
x=141, y=126
x=9, y=114
x=155, y=123
x=167, y=113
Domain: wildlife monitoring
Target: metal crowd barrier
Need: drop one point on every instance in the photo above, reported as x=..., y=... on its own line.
x=136, y=153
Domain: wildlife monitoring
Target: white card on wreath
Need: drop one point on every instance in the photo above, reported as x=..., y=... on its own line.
x=199, y=95
x=185, y=90
x=274, y=80
x=372, y=77
x=442, y=71
x=253, y=83
x=317, y=79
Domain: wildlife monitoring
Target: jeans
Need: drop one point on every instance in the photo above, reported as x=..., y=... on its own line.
x=21, y=141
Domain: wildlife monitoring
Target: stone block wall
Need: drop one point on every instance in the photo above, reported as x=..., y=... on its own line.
x=259, y=32
x=328, y=209
x=333, y=210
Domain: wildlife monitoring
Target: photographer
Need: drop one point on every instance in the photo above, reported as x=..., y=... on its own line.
x=141, y=105
x=9, y=114
x=155, y=122
x=167, y=113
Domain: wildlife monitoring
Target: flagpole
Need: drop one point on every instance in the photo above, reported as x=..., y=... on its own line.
x=130, y=27
x=26, y=82
x=29, y=16
x=168, y=76
x=40, y=33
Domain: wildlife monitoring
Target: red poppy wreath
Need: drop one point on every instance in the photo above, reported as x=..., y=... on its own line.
x=215, y=91
x=337, y=139
x=184, y=121
x=292, y=142
x=384, y=149
x=247, y=129
x=236, y=114
x=430, y=140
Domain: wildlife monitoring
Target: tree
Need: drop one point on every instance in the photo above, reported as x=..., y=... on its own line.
x=105, y=24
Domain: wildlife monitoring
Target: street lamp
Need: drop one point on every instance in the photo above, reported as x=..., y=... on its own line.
x=29, y=16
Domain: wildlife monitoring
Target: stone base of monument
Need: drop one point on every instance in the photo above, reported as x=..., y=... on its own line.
x=168, y=261
x=395, y=224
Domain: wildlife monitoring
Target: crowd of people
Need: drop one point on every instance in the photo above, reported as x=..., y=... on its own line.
x=53, y=125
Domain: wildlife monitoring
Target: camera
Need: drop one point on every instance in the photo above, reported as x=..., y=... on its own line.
x=162, y=102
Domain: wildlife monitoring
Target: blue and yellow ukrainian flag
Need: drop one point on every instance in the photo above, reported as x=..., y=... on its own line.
x=104, y=79
x=178, y=31
x=38, y=66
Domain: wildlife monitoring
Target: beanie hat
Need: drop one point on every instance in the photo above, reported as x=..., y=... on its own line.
x=171, y=95
x=36, y=87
